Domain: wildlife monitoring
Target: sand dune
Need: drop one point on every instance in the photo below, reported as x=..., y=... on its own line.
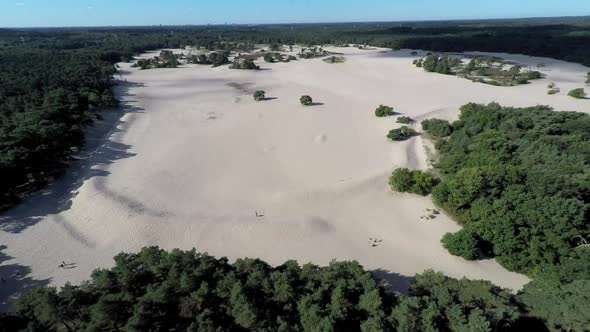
x=191, y=160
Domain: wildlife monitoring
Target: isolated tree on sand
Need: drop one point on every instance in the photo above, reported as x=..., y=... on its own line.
x=577, y=93
x=259, y=95
x=383, y=111
x=306, y=100
x=401, y=134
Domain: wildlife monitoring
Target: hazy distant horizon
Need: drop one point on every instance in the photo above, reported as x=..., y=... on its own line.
x=299, y=23
x=127, y=13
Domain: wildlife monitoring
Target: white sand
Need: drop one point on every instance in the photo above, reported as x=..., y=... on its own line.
x=193, y=159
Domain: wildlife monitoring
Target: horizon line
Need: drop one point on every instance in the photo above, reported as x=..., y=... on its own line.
x=587, y=16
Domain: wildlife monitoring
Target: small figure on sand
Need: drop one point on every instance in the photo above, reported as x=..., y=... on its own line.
x=375, y=242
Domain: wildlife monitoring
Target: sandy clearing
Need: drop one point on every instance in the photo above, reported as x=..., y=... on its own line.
x=191, y=160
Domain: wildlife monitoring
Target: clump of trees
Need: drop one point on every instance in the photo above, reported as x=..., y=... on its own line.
x=441, y=64
x=515, y=179
x=482, y=69
x=401, y=134
x=412, y=181
x=246, y=64
x=383, y=111
x=306, y=100
x=405, y=120
x=166, y=59
x=577, y=93
x=259, y=95
x=155, y=290
x=215, y=59
x=437, y=128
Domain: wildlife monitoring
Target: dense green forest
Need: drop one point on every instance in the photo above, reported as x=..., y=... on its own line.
x=518, y=180
x=155, y=290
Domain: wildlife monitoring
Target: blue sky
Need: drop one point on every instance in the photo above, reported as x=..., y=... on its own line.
x=26, y=13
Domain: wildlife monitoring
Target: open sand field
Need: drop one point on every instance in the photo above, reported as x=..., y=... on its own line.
x=191, y=159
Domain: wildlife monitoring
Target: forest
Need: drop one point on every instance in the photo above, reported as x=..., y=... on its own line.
x=156, y=290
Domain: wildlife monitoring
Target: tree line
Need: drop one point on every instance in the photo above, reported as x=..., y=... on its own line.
x=156, y=290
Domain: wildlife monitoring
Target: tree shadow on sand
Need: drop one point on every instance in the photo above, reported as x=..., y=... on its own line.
x=392, y=281
x=99, y=150
x=14, y=281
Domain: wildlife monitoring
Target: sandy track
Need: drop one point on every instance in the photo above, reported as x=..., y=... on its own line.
x=192, y=159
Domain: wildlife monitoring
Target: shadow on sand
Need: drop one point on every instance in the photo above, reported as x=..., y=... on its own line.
x=14, y=281
x=99, y=149
x=392, y=281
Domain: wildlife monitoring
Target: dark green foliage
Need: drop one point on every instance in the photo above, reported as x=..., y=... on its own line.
x=577, y=93
x=47, y=97
x=412, y=181
x=166, y=59
x=259, y=95
x=462, y=243
x=441, y=64
x=383, y=111
x=518, y=179
x=246, y=64
x=405, y=120
x=155, y=290
x=440, y=303
x=560, y=295
x=401, y=134
x=306, y=100
x=268, y=57
x=437, y=127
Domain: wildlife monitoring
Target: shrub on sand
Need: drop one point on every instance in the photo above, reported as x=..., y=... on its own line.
x=401, y=134
x=577, y=93
x=306, y=100
x=259, y=95
x=383, y=111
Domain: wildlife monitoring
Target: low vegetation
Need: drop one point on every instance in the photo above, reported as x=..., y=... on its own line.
x=306, y=100
x=401, y=134
x=167, y=59
x=552, y=89
x=259, y=95
x=577, y=93
x=246, y=64
x=482, y=69
x=334, y=59
x=215, y=59
x=437, y=128
x=155, y=290
x=405, y=120
x=412, y=181
x=383, y=111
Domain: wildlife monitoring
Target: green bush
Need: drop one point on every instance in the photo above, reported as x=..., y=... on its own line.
x=401, y=134
x=405, y=120
x=416, y=181
x=306, y=100
x=437, y=127
x=259, y=95
x=577, y=93
x=462, y=243
x=383, y=111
